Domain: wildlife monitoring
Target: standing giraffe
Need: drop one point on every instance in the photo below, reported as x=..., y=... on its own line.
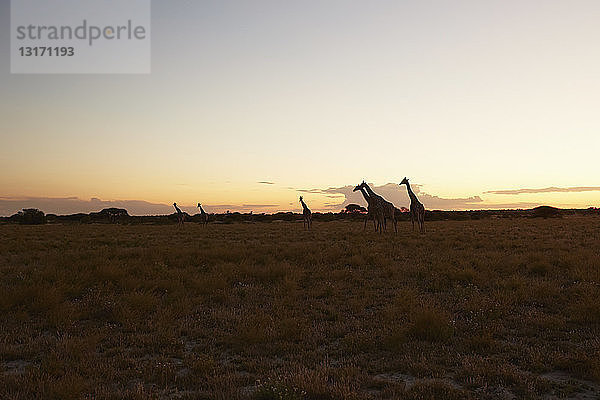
x=371, y=207
x=417, y=210
x=387, y=209
x=180, y=215
x=306, y=214
x=203, y=216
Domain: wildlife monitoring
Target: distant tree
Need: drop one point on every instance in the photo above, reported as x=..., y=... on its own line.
x=546, y=212
x=114, y=215
x=354, y=209
x=114, y=211
x=30, y=216
x=401, y=212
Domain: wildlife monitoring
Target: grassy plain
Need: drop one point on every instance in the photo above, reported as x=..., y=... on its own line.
x=496, y=308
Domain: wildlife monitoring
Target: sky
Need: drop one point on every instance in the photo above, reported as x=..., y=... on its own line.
x=250, y=104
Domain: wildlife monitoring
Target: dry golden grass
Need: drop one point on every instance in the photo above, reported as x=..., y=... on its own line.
x=472, y=309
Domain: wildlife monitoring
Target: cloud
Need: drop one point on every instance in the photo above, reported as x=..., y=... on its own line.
x=398, y=196
x=547, y=190
x=313, y=191
x=244, y=208
x=333, y=199
x=266, y=183
x=73, y=205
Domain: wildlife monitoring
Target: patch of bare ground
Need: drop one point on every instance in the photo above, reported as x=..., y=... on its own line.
x=565, y=385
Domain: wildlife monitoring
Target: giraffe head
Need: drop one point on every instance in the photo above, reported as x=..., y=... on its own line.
x=404, y=181
x=359, y=187
x=175, y=204
x=198, y=205
x=300, y=199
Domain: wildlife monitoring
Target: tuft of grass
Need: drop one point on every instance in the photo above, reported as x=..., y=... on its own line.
x=585, y=307
x=273, y=390
x=430, y=325
x=435, y=390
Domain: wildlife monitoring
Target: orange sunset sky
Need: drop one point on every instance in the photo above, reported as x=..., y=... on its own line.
x=482, y=104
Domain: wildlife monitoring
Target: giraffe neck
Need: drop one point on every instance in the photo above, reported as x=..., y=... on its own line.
x=365, y=195
x=201, y=210
x=410, y=193
x=372, y=194
x=303, y=205
x=178, y=210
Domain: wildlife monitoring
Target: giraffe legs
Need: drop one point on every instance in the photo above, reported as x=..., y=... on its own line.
x=307, y=223
x=380, y=223
x=367, y=218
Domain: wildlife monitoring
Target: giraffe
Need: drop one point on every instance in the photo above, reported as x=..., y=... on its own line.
x=387, y=209
x=180, y=215
x=371, y=207
x=203, y=216
x=306, y=214
x=417, y=210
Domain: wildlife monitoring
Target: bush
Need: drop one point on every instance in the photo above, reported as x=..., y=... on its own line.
x=431, y=326
x=30, y=216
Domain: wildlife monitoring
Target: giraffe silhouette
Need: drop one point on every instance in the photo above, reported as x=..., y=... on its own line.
x=203, y=216
x=417, y=209
x=306, y=215
x=180, y=215
x=371, y=207
x=387, y=209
